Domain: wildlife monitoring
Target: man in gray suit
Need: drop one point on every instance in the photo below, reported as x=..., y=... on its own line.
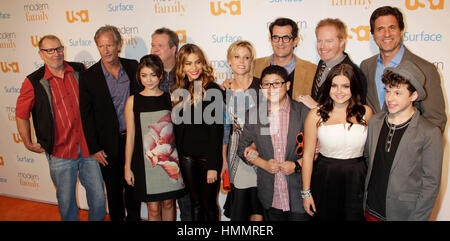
x=278, y=137
x=387, y=27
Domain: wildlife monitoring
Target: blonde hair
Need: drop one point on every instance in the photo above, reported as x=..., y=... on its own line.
x=181, y=79
x=242, y=44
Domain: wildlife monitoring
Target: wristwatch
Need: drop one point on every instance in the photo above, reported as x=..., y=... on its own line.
x=298, y=168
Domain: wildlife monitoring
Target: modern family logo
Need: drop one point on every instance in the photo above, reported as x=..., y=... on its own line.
x=416, y=4
x=362, y=33
x=36, y=12
x=352, y=3
x=163, y=7
x=7, y=40
x=11, y=112
x=129, y=35
x=221, y=7
x=10, y=67
x=83, y=16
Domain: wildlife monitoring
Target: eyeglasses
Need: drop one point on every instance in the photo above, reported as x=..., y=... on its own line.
x=285, y=38
x=275, y=85
x=299, y=139
x=60, y=49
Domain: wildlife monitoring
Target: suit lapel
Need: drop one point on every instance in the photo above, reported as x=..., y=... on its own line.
x=291, y=144
x=378, y=123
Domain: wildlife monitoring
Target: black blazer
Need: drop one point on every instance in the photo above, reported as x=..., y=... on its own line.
x=98, y=115
x=360, y=74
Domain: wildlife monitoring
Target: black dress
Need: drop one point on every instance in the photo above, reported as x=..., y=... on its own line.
x=155, y=161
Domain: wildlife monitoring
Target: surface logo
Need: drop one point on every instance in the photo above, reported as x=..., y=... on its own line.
x=36, y=12
x=415, y=4
x=362, y=33
x=10, y=67
x=82, y=15
x=169, y=7
x=181, y=36
x=221, y=7
x=348, y=3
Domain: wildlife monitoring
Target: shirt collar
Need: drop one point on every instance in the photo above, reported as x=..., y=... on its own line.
x=285, y=108
x=48, y=75
x=333, y=63
x=397, y=58
x=107, y=74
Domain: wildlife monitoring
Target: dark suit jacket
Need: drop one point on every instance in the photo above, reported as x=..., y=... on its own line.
x=432, y=107
x=259, y=134
x=100, y=123
x=359, y=73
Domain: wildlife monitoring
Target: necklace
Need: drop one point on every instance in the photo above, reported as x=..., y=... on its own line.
x=392, y=129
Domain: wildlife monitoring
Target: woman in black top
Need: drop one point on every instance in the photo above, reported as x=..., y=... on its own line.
x=198, y=119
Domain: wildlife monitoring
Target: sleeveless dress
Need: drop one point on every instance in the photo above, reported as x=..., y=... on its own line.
x=155, y=161
x=337, y=182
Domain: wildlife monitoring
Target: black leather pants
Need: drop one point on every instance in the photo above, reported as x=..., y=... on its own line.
x=204, y=205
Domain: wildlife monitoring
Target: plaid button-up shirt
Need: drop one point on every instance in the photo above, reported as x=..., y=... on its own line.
x=279, y=125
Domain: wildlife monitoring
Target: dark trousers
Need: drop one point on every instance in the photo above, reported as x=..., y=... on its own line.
x=119, y=193
x=204, y=205
x=273, y=214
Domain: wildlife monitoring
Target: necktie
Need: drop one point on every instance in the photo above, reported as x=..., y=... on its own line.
x=319, y=77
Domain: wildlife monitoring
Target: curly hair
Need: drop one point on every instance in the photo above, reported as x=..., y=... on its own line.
x=354, y=108
x=181, y=79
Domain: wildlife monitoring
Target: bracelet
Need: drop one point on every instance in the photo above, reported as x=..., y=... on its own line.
x=305, y=194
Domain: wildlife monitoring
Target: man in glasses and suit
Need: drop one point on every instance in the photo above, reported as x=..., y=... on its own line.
x=278, y=137
x=50, y=94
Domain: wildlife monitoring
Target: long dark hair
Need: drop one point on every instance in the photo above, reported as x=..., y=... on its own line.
x=355, y=108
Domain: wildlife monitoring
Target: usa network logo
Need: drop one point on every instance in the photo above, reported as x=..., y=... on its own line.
x=431, y=4
x=75, y=16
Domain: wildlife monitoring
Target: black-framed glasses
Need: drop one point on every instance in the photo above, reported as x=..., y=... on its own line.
x=60, y=49
x=299, y=139
x=285, y=38
x=275, y=85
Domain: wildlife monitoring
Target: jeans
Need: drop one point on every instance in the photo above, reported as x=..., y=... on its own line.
x=273, y=214
x=64, y=176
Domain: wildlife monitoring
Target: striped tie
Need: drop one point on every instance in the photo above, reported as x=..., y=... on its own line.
x=319, y=77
